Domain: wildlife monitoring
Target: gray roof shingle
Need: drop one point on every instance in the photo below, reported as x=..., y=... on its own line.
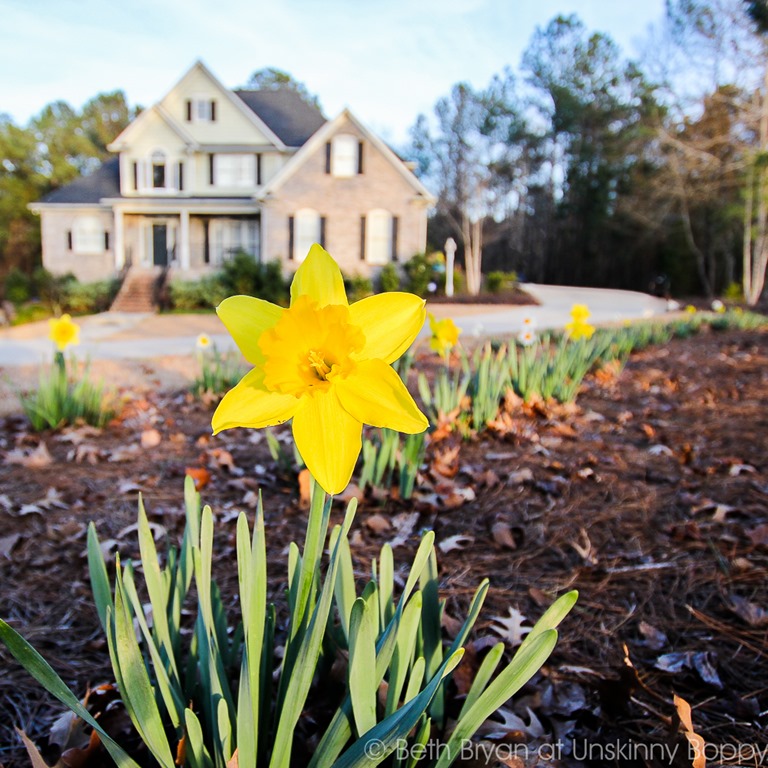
x=286, y=114
x=103, y=182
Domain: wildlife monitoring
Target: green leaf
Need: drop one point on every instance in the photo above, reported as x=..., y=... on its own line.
x=483, y=675
x=97, y=570
x=136, y=688
x=362, y=659
x=42, y=671
x=522, y=667
x=397, y=726
x=197, y=755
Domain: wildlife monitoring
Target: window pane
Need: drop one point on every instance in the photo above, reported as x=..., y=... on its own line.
x=158, y=175
x=88, y=236
x=378, y=245
x=307, y=224
x=344, y=156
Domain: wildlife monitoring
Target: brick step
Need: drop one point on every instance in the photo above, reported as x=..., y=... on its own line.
x=136, y=294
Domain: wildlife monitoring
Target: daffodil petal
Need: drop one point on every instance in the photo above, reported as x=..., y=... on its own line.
x=319, y=277
x=328, y=439
x=374, y=394
x=390, y=322
x=246, y=318
x=249, y=405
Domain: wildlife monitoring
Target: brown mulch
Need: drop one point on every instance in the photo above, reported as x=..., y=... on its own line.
x=650, y=497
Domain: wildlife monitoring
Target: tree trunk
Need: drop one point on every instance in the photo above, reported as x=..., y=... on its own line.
x=472, y=234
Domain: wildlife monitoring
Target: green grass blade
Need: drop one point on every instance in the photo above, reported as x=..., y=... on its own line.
x=42, y=671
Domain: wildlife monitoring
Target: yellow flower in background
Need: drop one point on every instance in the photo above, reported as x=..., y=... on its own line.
x=203, y=341
x=63, y=332
x=445, y=335
x=690, y=309
x=579, y=328
x=324, y=363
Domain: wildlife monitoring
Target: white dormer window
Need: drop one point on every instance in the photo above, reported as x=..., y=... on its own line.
x=345, y=154
x=200, y=109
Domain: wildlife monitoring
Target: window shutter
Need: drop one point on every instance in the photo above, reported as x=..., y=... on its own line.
x=206, y=241
x=362, y=238
x=328, y=157
x=188, y=104
x=213, y=111
x=395, y=223
x=135, y=177
x=322, y=231
x=210, y=170
x=69, y=239
x=290, y=238
x=181, y=176
x=258, y=170
x=106, y=241
x=359, y=156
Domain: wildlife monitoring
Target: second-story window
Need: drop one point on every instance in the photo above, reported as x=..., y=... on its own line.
x=344, y=156
x=200, y=110
x=238, y=171
x=158, y=170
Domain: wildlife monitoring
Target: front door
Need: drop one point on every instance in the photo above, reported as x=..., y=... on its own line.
x=160, y=245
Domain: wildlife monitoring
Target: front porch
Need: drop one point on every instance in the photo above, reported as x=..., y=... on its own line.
x=191, y=241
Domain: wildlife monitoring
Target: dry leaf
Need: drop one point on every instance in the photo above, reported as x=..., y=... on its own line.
x=151, y=438
x=455, y=542
x=7, y=543
x=36, y=459
x=200, y=475
x=446, y=463
x=502, y=535
x=378, y=523
x=511, y=628
x=697, y=743
x=751, y=613
x=740, y=469
x=759, y=535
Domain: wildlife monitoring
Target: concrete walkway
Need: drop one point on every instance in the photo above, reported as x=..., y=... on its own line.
x=116, y=336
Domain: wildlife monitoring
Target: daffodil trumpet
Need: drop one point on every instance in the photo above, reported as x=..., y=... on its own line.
x=324, y=363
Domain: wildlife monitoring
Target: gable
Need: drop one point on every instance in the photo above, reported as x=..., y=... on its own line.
x=152, y=132
x=313, y=155
x=234, y=123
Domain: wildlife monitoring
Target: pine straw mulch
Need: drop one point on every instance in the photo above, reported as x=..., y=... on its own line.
x=650, y=497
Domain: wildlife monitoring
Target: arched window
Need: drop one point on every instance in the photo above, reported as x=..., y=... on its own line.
x=344, y=155
x=378, y=236
x=88, y=235
x=158, y=170
x=307, y=223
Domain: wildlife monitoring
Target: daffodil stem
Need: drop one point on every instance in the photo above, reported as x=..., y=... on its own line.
x=317, y=529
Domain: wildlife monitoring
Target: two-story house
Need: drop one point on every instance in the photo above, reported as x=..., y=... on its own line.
x=207, y=172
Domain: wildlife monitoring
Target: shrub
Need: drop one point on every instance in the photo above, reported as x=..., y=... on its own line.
x=420, y=271
x=18, y=286
x=389, y=278
x=358, y=287
x=187, y=295
x=498, y=281
x=88, y=298
x=244, y=275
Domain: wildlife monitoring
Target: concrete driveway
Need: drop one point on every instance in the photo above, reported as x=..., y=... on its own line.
x=116, y=336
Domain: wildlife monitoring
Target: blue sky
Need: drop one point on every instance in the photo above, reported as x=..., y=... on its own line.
x=387, y=60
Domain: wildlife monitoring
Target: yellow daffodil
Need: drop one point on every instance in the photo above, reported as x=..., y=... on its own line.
x=445, y=335
x=203, y=341
x=324, y=363
x=580, y=313
x=63, y=332
x=579, y=328
x=690, y=309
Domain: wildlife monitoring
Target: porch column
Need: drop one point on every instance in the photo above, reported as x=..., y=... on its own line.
x=119, y=240
x=184, y=240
